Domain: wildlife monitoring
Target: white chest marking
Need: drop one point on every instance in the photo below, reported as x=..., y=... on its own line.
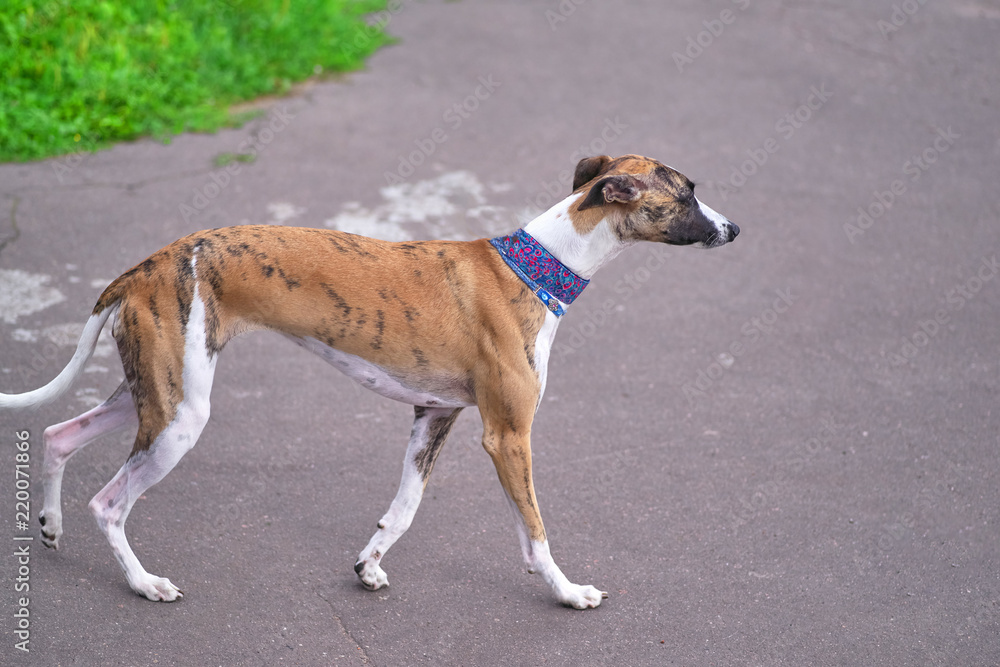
x=444, y=394
x=543, y=345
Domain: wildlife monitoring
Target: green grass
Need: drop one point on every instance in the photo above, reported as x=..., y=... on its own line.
x=82, y=74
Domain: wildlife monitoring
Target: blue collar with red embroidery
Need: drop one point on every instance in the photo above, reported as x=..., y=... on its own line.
x=550, y=280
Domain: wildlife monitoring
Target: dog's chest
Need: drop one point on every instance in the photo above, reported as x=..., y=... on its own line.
x=543, y=346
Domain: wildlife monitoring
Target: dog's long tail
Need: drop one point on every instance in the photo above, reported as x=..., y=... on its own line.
x=63, y=381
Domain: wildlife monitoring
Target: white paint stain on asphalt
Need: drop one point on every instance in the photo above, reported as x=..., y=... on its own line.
x=453, y=205
x=282, y=212
x=23, y=293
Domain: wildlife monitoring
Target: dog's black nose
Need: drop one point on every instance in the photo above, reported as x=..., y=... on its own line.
x=733, y=231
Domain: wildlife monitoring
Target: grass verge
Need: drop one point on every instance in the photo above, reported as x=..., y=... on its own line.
x=81, y=74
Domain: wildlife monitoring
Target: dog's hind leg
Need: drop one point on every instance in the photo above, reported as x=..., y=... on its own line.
x=111, y=506
x=171, y=382
x=61, y=441
x=144, y=468
x=430, y=429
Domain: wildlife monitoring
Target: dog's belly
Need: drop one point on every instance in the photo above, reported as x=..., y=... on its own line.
x=427, y=391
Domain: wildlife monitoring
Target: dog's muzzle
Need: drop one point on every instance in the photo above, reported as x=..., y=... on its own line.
x=725, y=231
x=732, y=232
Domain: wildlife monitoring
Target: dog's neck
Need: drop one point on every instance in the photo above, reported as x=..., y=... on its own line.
x=584, y=254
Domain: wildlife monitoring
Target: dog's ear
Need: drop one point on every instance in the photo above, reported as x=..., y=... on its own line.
x=620, y=187
x=588, y=169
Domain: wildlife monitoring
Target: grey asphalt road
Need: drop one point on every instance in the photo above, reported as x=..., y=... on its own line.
x=780, y=452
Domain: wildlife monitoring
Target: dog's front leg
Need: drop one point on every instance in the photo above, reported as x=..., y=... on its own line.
x=508, y=443
x=430, y=429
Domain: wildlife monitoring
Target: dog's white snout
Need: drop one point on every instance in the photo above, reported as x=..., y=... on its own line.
x=724, y=228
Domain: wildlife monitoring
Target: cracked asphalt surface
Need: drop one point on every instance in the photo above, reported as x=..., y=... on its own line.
x=780, y=452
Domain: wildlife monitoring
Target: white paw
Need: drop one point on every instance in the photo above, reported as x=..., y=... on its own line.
x=372, y=576
x=580, y=597
x=51, y=528
x=158, y=589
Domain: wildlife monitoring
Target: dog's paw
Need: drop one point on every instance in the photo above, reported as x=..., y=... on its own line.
x=158, y=589
x=580, y=597
x=371, y=575
x=51, y=529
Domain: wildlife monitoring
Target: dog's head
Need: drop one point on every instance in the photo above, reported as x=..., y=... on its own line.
x=644, y=200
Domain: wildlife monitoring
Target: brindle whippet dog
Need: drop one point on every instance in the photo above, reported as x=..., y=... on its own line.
x=440, y=325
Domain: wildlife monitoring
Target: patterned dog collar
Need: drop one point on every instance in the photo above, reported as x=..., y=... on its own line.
x=546, y=276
